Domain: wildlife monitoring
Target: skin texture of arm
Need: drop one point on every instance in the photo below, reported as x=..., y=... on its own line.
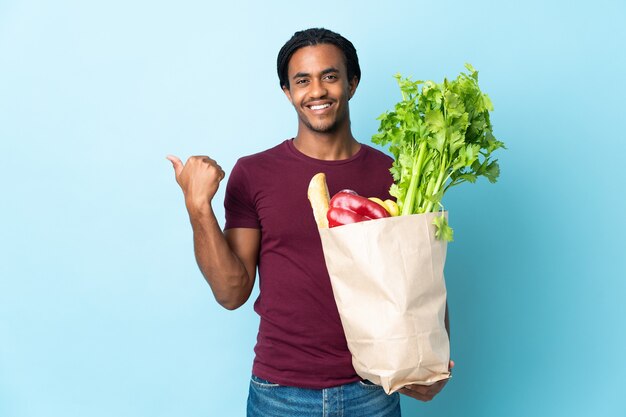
x=228, y=259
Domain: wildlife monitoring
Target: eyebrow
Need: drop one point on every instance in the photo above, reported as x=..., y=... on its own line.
x=324, y=72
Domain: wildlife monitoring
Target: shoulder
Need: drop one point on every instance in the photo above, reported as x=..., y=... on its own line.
x=260, y=166
x=259, y=158
x=267, y=153
x=372, y=153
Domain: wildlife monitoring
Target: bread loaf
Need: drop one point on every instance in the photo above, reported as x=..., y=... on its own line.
x=319, y=198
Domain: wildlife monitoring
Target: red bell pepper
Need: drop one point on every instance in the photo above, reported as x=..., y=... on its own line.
x=348, y=207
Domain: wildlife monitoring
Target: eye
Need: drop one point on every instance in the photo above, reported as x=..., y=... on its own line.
x=302, y=81
x=331, y=77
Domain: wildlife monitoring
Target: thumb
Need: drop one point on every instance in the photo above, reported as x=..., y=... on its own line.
x=176, y=163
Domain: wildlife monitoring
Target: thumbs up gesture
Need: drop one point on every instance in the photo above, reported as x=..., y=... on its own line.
x=199, y=178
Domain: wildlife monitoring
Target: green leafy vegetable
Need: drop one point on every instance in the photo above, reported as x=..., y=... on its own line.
x=444, y=231
x=440, y=136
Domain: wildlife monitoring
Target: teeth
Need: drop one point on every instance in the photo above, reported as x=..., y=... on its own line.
x=320, y=107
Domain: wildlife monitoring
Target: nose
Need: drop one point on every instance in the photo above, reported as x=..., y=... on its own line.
x=318, y=89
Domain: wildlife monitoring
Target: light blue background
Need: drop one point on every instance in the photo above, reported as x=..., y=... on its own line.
x=102, y=309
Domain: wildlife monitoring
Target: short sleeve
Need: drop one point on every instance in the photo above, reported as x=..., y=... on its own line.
x=239, y=206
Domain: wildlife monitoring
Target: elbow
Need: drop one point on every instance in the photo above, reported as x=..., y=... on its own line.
x=233, y=293
x=230, y=304
x=232, y=300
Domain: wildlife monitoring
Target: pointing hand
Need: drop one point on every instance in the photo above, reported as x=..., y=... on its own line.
x=199, y=178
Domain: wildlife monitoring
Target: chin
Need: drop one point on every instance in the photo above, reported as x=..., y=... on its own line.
x=325, y=128
x=322, y=127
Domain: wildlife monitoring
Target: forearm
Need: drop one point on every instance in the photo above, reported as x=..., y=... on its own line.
x=225, y=273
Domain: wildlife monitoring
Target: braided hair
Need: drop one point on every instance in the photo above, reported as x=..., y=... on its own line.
x=311, y=37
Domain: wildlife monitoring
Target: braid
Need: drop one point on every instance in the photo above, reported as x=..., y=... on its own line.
x=311, y=37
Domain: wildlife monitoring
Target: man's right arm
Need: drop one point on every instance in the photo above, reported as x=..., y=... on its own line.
x=228, y=259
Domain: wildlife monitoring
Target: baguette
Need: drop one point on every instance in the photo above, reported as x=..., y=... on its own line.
x=319, y=198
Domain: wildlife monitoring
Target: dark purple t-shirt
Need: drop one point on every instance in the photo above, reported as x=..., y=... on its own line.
x=300, y=342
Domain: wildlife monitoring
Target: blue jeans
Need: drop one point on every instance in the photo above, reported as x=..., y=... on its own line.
x=362, y=399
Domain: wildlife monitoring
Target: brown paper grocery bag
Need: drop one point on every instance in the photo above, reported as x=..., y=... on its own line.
x=388, y=283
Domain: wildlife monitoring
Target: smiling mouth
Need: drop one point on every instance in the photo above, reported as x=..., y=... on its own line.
x=319, y=107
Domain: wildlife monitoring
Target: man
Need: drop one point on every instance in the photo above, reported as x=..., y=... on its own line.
x=302, y=365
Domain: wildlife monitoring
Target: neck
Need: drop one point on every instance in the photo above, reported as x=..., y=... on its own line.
x=328, y=146
x=325, y=146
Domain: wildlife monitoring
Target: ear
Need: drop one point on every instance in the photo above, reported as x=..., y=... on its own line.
x=352, y=85
x=287, y=93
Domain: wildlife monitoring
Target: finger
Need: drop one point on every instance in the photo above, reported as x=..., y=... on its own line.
x=419, y=389
x=208, y=161
x=415, y=394
x=205, y=159
x=176, y=163
x=221, y=171
x=428, y=390
x=437, y=387
x=451, y=364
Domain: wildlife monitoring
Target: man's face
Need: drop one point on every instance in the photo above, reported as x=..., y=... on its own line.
x=319, y=88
